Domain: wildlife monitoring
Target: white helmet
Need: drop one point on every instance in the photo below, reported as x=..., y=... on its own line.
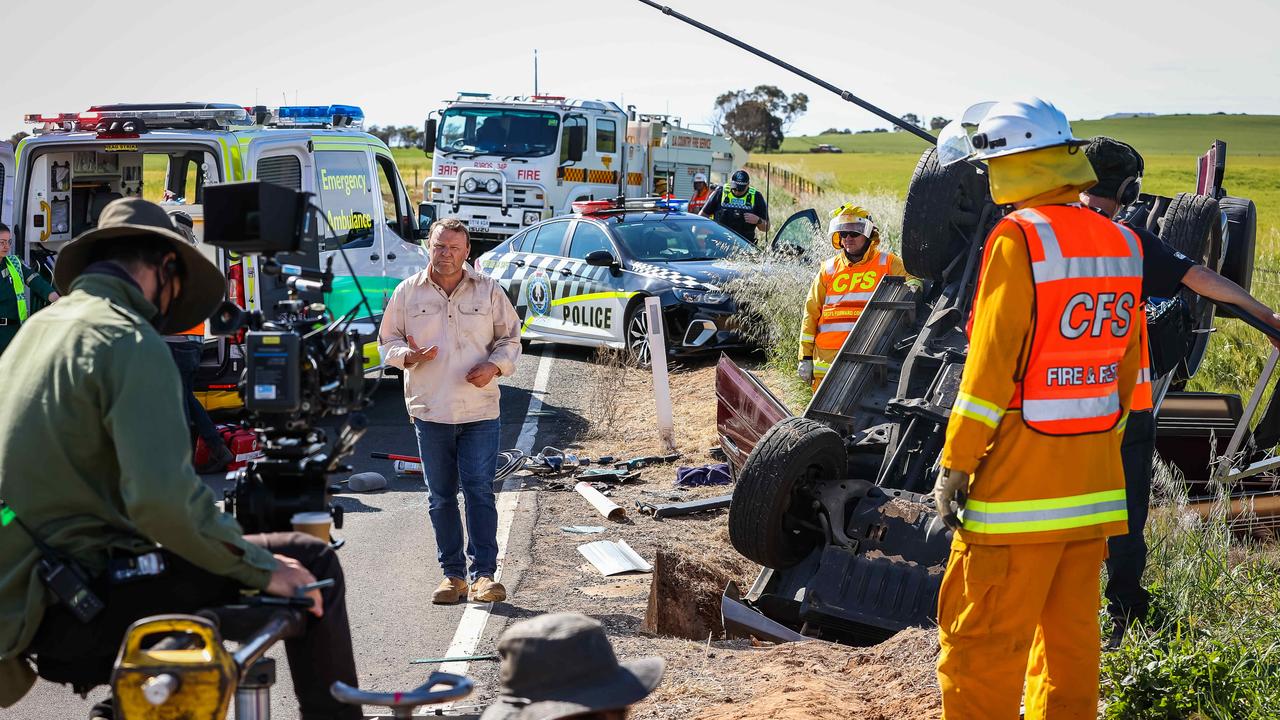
x=700, y=178
x=1005, y=128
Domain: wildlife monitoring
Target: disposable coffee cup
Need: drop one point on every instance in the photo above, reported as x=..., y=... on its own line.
x=313, y=523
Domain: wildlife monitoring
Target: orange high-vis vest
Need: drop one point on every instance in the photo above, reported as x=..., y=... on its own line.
x=699, y=199
x=1087, y=275
x=847, y=293
x=1143, y=395
x=197, y=330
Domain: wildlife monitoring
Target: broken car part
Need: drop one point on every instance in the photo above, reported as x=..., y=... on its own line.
x=684, y=508
x=603, y=505
x=612, y=558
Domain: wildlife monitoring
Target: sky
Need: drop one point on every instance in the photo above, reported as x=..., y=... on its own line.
x=400, y=60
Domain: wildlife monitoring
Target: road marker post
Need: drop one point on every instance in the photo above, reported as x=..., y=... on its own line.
x=661, y=386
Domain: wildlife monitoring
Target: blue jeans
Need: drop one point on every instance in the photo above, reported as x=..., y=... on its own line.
x=186, y=355
x=463, y=455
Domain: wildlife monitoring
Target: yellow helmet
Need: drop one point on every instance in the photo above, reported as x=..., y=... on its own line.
x=851, y=218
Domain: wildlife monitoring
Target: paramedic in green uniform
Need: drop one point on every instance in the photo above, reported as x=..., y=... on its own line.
x=15, y=281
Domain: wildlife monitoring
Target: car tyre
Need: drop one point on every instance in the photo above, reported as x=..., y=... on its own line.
x=1192, y=226
x=772, y=491
x=636, y=334
x=943, y=208
x=1242, y=239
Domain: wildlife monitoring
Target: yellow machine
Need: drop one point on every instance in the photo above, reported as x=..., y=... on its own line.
x=173, y=667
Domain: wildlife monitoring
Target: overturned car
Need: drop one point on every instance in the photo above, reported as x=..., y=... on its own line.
x=833, y=502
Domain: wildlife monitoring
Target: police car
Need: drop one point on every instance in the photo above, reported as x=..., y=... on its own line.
x=582, y=279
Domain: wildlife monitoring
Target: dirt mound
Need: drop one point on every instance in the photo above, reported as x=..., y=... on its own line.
x=684, y=600
x=821, y=681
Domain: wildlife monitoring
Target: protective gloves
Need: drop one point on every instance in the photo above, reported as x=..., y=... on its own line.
x=805, y=370
x=951, y=487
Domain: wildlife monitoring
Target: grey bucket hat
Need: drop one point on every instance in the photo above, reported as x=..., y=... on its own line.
x=561, y=664
x=203, y=286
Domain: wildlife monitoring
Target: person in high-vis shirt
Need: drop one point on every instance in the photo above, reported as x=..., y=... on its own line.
x=17, y=282
x=1030, y=476
x=842, y=287
x=1119, y=168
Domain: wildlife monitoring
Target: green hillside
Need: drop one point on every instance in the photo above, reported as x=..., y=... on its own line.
x=1160, y=135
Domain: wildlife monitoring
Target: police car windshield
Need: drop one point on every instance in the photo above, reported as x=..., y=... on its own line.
x=679, y=239
x=498, y=131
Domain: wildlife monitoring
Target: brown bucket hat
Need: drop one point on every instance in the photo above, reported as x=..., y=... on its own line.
x=561, y=664
x=203, y=286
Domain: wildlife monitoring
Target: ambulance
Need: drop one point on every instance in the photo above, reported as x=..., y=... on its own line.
x=502, y=164
x=78, y=162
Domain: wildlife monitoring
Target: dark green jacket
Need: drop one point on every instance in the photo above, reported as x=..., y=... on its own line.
x=95, y=456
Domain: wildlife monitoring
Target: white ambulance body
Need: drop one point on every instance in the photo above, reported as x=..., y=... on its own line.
x=503, y=164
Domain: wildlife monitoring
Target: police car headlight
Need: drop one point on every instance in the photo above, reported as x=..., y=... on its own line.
x=531, y=217
x=492, y=186
x=469, y=185
x=702, y=297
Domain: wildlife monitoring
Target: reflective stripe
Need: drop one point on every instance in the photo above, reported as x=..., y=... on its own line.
x=19, y=290
x=1018, y=516
x=976, y=408
x=861, y=297
x=1056, y=267
x=830, y=266
x=821, y=365
x=1123, y=422
x=835, y=327
x=806, y=337
x=1071, y=408
x=1144, y=375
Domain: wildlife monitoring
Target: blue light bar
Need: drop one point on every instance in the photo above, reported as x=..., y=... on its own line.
x=673, y=204
x=318, y=116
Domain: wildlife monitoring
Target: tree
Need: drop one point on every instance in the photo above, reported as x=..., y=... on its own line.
x=758, y=119
x=382, y=133
x=909, y=118
x=409, y=135
x=17, y=137
x=938, y=122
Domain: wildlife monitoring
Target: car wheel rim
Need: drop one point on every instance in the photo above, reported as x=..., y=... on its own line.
x=638, y=337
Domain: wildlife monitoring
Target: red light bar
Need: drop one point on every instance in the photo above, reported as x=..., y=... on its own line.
x=589, y=207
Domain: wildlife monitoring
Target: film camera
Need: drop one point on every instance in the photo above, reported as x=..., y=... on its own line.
x=302, y=364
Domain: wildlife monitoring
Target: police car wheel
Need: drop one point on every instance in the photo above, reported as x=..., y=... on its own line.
x=637, y=334
x=771, y=518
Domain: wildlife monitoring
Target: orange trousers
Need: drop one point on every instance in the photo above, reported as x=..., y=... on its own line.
x=1012, y=612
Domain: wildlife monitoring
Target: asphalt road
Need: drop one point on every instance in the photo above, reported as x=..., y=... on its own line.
x=389, y=557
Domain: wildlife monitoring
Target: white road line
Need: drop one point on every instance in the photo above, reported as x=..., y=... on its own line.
x=475, y=616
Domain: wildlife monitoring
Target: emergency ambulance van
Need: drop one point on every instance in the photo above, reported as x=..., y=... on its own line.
x=76, y=163
x=6, y=183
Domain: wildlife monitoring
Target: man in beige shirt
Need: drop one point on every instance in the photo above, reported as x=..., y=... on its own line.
x=453, y=332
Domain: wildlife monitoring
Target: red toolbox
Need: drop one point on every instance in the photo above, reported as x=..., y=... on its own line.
x=242, y=443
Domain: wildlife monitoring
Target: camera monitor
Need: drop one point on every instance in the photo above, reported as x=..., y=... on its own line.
x=254, y=217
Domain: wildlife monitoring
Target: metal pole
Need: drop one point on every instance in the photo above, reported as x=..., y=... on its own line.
x=535, y=71
x=844, y=94
x=768, y=176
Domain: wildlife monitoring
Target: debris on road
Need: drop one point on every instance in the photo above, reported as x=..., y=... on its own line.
x=677, y=509
x=618, y=475
x=741, y=621
x=612, y=558
x=646, y=460
x=404, y=467
x=716, y=474
x=582, y=529
x=458, y=658
x=366, y=482
x=509, y=461
x=603, y=505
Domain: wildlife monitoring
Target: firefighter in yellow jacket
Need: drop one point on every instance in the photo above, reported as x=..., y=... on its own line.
x=842, y=288
x=1031, y=479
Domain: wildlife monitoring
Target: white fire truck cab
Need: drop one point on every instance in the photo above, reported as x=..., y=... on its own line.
x=503, y=164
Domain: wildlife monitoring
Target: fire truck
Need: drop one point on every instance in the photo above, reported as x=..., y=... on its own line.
x=501, y=164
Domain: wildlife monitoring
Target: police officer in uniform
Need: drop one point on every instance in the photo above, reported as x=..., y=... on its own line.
x=739, y=207
x=16, y=280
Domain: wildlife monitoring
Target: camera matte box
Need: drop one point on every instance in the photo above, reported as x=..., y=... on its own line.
x=253, y=217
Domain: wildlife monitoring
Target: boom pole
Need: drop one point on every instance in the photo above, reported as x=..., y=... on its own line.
x=844, y=94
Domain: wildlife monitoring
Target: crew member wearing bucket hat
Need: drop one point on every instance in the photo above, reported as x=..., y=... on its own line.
x=95, y=459
x=1032, y=450
x=561, y=665
x=841, y=289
